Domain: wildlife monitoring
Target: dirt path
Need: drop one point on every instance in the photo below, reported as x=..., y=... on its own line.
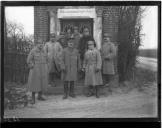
x=147, y=63
x=133, y=104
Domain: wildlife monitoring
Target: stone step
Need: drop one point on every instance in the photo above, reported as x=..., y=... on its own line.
x=59, y=88
x=79, y=88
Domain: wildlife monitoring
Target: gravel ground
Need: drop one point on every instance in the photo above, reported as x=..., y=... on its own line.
x=133, y=104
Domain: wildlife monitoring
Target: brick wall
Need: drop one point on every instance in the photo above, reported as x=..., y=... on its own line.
x=41, y=23
x=110, y=21
x=110, y=25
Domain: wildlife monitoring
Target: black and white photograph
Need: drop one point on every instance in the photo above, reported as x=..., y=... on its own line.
x=81, y=61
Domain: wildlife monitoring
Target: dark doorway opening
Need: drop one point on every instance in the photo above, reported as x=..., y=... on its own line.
x=80, y=23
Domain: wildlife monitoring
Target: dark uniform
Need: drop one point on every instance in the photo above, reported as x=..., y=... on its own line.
x=83, y=46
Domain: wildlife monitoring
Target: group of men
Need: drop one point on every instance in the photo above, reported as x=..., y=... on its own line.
x=56, y=45
x=68, y=54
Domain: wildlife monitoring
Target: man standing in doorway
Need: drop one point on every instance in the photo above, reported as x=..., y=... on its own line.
x=62, y=40
x=68, y=34
x=83, y=46
x=76, y=35
x=54, y=52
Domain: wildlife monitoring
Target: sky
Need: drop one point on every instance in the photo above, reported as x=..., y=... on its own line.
x=149, y=27
x=25, y=16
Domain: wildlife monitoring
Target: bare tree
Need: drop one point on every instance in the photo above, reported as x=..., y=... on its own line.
x=14, y=30
x=129, y=38
x=16, y=37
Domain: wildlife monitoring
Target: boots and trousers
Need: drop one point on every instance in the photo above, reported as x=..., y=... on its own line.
x=91, y=91
x=39, y=97
x=68, y=90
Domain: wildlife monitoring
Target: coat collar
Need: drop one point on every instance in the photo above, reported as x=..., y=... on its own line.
x=70, y=50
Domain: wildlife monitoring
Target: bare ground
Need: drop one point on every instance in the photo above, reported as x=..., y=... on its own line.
x=132, y=104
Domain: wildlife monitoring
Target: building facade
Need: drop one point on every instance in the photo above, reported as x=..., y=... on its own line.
x=55, y=19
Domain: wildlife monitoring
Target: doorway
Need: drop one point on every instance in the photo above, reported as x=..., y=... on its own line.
x=80, y=23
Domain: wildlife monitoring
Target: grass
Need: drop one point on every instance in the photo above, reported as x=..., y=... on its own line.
x=145, y=75
x=145, y=80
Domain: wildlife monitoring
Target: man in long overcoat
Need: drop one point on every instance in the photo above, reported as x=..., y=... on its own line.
x=70, y=66
x=54, y=52
x=108, y=53
x=92, y=66
x=38, y=76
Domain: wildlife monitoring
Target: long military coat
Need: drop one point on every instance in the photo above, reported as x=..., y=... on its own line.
x=54, y=52
x=71, y=64
x=38, y=74
x=92, y=61
x=108, y=53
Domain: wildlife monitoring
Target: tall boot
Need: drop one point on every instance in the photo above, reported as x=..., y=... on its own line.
x=40, y=96
x=97, y=89
x=33, y=98
x=72, y=89
x=49, y=79
x=90, y=92
x=65, y=90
